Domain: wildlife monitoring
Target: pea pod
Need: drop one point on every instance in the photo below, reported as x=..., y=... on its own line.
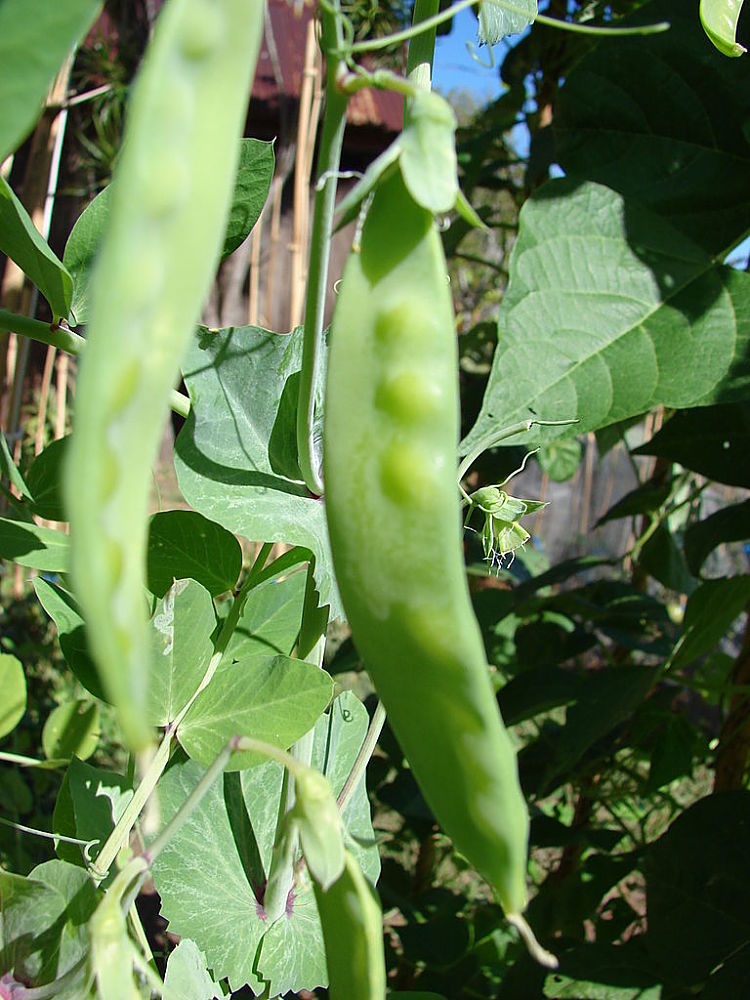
x=352, y=925
x=720, y=19
x=390, y=446
x=169, y=202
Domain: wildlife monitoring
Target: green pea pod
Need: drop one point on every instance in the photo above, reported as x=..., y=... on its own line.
x=390, y=447
x=169, y=202
x=352, y=925
x=719, y=19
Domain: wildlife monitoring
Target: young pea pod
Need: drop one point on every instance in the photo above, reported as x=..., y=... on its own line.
x=390, y=444
x=352, y=925
x=169, y=203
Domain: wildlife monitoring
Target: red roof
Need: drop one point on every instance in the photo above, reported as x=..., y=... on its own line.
x=379, y=108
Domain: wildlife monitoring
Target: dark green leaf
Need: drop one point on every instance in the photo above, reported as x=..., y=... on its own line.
x=714, y=442
x=661, y=119
x=183, y=544
x=91, y=801
x=20, y=240
x=35, y=37
x=30, y=545
x=711, y=610
x=731, y=524
x=662, y=557
x=71, y=631
x=45, y=483
x=646, y=499
x=254, y=175
x=81, y=250
x=697, y=881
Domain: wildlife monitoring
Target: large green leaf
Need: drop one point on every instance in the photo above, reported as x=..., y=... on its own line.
x=610, y=311
x=216, y=900
x=20, y=240
x=35, y=37
x=662, y=119
x=236, y=455
x=272, y=698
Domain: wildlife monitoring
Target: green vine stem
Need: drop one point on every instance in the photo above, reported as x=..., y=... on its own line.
x=62, y=337
x=429, y=24
x=329, y=159
x=363, y=757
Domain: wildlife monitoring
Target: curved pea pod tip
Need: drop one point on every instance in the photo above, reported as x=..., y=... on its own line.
x=719, y=19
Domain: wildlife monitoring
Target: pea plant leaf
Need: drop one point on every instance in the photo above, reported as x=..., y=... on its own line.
x=272, y=698
x=183, y=544
x=271, y=619
x=217, y=900
x=496, y=21
x=28, y=67
x=90, y=802
x=187, y=976
x=647, y=319
x=34, y=546
x=21, y=241
x=13, y=686
x=81, y=249
x=230, y=461
x=254, y=175
x=71, y=631
x=43, y=927
x=71, y=728
x=44, y=482
x=181, y=648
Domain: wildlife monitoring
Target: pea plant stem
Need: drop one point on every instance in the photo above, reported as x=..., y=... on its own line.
x=73, y=343
x=329, y=159
x=121, y=832
x=363, y=757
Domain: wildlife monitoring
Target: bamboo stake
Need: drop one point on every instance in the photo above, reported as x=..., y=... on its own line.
x=302, y=182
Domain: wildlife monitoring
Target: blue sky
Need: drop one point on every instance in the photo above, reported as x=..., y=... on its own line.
x=456, y=69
